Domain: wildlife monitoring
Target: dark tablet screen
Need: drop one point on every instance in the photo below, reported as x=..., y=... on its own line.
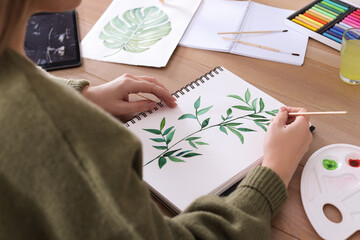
x=52, y=40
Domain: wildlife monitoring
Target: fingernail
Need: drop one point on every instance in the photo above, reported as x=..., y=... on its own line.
x=282, y=109
x=151, y=105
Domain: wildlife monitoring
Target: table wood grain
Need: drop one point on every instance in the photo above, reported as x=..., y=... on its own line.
x=315, y=86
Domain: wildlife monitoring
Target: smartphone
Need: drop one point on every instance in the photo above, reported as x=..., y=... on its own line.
x=52, y=40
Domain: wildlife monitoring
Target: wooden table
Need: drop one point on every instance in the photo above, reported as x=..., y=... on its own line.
x=315, y=86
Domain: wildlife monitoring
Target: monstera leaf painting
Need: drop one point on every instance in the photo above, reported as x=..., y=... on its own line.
x=137, y=30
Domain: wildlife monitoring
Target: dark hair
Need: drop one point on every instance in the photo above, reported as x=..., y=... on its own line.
x=11, y=13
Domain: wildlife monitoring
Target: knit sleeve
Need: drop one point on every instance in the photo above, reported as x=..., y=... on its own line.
x=244, y=214
x=77, y=84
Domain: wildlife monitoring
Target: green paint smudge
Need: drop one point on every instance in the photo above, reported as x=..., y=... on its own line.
x=330, y=164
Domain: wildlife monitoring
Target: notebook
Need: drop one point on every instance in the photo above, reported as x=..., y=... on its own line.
x=215, y=16
x=208, y=142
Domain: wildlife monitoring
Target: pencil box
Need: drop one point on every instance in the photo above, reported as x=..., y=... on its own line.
x=325, y=20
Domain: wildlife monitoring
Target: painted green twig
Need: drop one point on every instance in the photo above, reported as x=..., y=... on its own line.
x=228, y=124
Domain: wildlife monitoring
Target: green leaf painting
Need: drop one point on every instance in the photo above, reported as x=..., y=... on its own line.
x=162, y=162
x=187, y=116
x=233, y=123
x=137, y=30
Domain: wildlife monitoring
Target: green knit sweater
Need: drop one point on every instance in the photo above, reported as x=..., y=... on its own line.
x=69, y=170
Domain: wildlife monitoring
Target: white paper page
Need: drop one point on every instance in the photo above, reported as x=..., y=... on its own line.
x=213, y=16
x=262, y=18
x=223, y=155
x=157, y=55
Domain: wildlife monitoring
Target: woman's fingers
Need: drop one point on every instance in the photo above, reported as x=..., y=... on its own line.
x=153, y=88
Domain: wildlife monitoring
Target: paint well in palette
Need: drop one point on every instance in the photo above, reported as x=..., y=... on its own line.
x=329, y=178
x=354, y=163
x=330, y=164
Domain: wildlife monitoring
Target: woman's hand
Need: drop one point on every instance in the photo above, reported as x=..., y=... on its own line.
x=113, y=96
x=288, y=139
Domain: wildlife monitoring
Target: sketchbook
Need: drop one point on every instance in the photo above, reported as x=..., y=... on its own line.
x=215, y=16
x=139, y=32
x=208, y=142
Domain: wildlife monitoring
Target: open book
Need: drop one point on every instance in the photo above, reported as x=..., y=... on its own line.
x=208, y=142
x=215, y=16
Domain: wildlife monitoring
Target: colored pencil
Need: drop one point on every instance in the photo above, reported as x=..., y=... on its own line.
x=336, y=4
x=270, y=31
x=317, y=113
x=333, y=6
x=335, y=33
x=312, y=13
x=332, y=37
x=327, y=10
x=330, y=8
x=315, y=18
x=339, y=29
x=341, y=26
x=304, y=24
x=260, y=46
x=355, y=15
x=322, y=16
x=345, y=25
x=353, y=18
x=299, y=18
x=352, y=21
x=311, y=20
x=357, y=12
x=323, y=12
x=334, y=30
x=352, y=24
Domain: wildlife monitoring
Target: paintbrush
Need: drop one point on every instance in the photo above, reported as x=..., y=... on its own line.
x=270, y=31
x=142, y=96
x=317, y=113
x=260, y=46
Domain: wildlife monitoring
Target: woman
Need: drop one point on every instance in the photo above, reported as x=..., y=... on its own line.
x=70, y=170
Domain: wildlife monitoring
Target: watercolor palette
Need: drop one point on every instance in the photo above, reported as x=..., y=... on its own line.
x=332, y=177
x=325, y=20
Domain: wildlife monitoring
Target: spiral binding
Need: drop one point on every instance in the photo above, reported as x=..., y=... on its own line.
x=207, y=76
x=233, y=45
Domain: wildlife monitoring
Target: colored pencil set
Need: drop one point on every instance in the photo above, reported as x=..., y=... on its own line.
x=329, y=18
x=336, y=32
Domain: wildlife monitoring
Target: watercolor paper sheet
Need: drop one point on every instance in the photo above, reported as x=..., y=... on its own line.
x=208, y=142
x=139, y=32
